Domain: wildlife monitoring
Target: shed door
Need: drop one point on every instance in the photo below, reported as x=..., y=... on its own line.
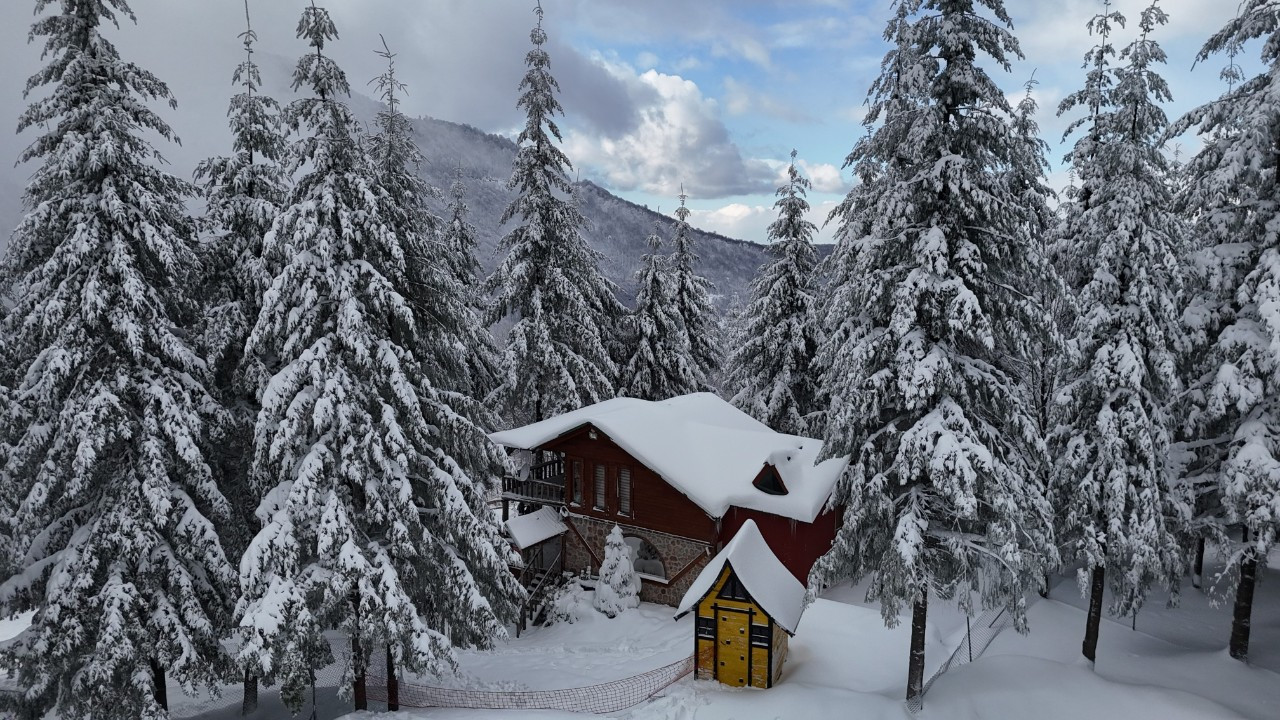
x=733, y=651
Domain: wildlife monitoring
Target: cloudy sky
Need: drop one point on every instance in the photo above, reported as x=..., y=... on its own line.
x=711, y=94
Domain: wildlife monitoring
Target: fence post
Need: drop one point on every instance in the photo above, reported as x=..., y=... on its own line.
x=968, y=637
x=393, y=683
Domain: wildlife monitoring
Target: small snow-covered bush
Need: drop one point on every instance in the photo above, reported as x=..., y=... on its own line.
x=619, y=587
x=568, y=603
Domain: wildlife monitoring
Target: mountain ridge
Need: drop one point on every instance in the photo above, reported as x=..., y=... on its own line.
x=617, y=227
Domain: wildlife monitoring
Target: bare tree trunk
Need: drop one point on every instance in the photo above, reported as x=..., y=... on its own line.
x=915, y=665
x=1094, y=620
x=1197, y=569
x=359, y=692
x=1044, y=591
x=393, y=683
x=250, y=702
x=1241, y=619
x=162, y=687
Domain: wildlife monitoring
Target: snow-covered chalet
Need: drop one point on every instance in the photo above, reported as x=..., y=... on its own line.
x=680, y=477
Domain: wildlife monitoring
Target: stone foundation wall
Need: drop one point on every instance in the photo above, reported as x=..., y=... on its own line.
x=676, y=553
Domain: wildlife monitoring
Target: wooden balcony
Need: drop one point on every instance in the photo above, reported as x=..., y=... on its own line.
x=544, y=484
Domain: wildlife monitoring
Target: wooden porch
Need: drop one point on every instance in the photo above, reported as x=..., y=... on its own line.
x=543, y=485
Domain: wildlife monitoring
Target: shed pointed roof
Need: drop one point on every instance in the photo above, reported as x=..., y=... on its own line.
x=770, y=584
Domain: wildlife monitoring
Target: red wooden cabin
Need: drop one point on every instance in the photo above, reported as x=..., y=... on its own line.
x=679, y=476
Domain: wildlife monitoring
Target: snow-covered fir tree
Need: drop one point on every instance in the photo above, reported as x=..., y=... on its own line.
x=432, y=292
x=1211, y=276
x=440, y=290
x=455, y=348
x=925, y=320
x=116, y=505
x=660, y=365
x=693, y=301
x=243, y=193
x=369, y=525
x=772, y=371
x=10, y=487
x=1235, y=318
x=618, y=588
x=460, y=240
x=1041, y=370
x=1113, y=490
x=565, y=314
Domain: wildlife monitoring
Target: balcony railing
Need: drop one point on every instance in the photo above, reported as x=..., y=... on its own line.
x=544, y=484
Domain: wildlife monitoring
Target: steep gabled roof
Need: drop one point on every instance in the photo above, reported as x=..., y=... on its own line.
x=770, y=584
x=705, y=448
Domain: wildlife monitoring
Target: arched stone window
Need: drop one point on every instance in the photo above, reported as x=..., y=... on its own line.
x=645, y=558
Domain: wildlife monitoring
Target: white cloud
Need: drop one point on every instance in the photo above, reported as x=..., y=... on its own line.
x=742, y=99
x=855, y=113
x=678, y=138
x=751, y=222
x=687, y=63
x=737, y=220
x=747, y=48
x=1057, y=30
x=826, y=178
x=719, y=27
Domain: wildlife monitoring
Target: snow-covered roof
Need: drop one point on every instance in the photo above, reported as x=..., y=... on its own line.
x=770, y=583
x=529, y=530
x=705, y=448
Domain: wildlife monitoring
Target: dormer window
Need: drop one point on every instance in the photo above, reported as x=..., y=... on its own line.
x=768, y=481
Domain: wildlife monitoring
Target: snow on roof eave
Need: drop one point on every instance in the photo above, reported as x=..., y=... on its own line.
x=689, y=427
x=540, y=433
x=770, y=584
x=507, y=441
x=511, y=438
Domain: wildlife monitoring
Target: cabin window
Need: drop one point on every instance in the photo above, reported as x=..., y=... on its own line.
x=706, y=628
x=645, y=558
x=760, y=635
x=734, y=590
x=575, y=483
x=624, y=491
x=598, y=501
x=768, y=481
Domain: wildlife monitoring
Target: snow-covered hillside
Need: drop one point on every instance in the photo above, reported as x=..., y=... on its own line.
x=618, y=228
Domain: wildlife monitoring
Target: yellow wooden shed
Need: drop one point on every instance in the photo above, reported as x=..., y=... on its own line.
x=746, y=604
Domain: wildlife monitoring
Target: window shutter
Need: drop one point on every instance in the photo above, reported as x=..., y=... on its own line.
x=598, y=500
x=577, y=482
x=624, y=491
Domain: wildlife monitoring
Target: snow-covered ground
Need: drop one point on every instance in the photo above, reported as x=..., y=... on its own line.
x=10, y=627
x=845, y=663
